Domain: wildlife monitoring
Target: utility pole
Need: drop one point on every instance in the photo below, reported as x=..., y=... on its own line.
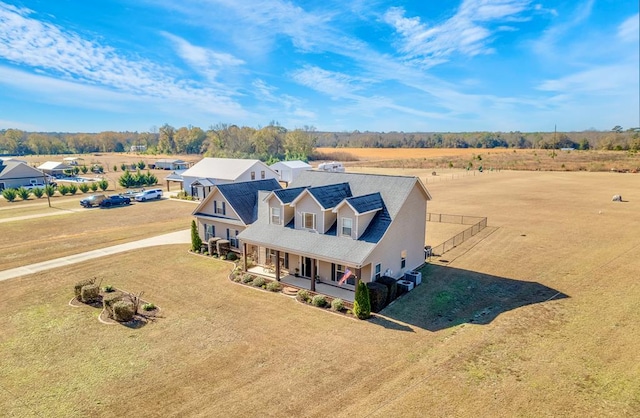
x=46, y=183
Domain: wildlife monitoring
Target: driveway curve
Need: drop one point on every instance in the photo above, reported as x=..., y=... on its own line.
x=179, y=237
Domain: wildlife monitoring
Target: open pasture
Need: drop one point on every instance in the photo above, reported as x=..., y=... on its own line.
x=535, y=316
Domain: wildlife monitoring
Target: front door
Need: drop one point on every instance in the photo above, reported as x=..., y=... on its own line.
x=306, y=267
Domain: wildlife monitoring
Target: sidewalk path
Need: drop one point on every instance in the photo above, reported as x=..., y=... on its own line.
x=179, y=237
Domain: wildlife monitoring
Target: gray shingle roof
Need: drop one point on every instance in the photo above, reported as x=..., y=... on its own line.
x=287, y=195
x=243, y=196
x=330, y=195
x=366, y=203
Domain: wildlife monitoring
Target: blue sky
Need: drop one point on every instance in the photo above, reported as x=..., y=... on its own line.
x=368, y=65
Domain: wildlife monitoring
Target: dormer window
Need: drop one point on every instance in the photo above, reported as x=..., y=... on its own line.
x=275, y=216
x=309, y=220
x=347, y=226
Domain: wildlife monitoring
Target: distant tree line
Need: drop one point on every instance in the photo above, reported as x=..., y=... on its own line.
x=270, y=143
x=274, y=142
x=616, y=139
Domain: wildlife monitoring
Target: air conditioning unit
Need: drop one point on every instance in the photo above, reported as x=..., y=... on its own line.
x=414, y=277
x=406, y=285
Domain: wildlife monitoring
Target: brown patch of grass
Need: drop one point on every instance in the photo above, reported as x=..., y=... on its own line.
x=30, y=241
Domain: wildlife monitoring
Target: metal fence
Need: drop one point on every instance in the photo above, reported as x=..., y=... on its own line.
x=477, y=224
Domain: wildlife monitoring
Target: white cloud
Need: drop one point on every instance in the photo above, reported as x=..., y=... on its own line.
x=605, y=80
x=629, y=30
x=466, y=32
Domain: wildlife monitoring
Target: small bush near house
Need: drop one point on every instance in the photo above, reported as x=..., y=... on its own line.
x=89, y=293
x=148, y=307
x=392, y=287
x=247, y=278
x=377, y=295
x=23, y=193
x=274, y=286
x=319, y=300
x=232, y=256
x=362, y=304
x=84, y=187
x=77, y=289
x=303, y=295
x=337, y=305
x=123, y=311
x=38, y=192
x=259, y=282
x=108, y=288
x=237, y=278
x=9, y=194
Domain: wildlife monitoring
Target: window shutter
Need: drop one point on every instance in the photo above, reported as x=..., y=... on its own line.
x=224, y=208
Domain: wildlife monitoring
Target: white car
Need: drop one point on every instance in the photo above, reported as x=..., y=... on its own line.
x=148, y=195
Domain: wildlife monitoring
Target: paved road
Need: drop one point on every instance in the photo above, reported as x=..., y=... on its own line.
x=180, y=237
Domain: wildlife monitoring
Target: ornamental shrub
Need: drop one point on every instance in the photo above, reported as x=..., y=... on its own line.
x=337, y=305
x=49, y=190
x=84, y=187
x=38, y=192
x=9, y=194
x=258, y=282
x=392, y=287
x=108, y=288
x=196, y=241
x=274, y=286
x=63, y=189
x=23, y=193
x=303, y=295
x=319, y=300
x=148, y=307
x=77, y=289
x=103, y=184
x=123, y=311
x=94, y=187
x=362, y=304
x=73, y=189
x=377, y=295
x=84, y=169
x=90, y=293
x=247, y=278
x=232, y=256
x=109, y=300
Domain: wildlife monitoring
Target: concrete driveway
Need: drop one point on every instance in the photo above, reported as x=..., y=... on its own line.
x=179, y=237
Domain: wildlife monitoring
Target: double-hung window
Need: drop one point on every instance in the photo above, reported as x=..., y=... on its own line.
x=378, y=271
x=347, y=226
x=219, y=208
x=309, y=220
x=275, y=216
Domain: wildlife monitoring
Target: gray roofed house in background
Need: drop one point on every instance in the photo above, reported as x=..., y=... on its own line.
x=15, y=173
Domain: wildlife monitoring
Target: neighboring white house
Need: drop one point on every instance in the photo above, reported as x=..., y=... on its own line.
x=54, y=168
x=289, y=170
x=14, y=174
x=199, y=180
x=171, y=164
x=329, y=226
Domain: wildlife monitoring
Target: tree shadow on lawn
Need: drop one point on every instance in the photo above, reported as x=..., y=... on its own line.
x=449, y=296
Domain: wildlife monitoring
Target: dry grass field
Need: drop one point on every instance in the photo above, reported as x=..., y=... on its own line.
x=490, y=159
x=535, y=316
x=68, y=228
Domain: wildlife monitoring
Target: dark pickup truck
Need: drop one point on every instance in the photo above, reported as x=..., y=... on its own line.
x=115, y=200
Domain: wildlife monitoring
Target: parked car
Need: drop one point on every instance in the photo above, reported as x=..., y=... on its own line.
x=115, y=200
x=148, y=195
x=93, y=200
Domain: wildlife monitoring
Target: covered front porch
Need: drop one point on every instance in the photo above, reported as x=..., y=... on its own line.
x=305, y=283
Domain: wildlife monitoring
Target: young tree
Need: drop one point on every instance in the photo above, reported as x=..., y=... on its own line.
x=9, y=194
x=361, y=303
x=23, y=193
x=49, y=190
x=38, y=192
x=196, y=241
x=103, y=184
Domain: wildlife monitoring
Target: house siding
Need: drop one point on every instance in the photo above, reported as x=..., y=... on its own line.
x=346, y=212
x=309, y=205
x=402, y=235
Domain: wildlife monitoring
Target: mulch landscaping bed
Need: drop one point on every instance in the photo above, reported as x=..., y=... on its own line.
x=140, y=319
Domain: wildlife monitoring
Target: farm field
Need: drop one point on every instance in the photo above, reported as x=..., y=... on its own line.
x=535, y=316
